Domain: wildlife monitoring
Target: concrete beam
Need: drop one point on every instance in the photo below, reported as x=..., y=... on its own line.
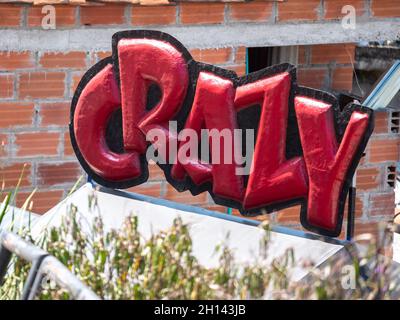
x=211, y=36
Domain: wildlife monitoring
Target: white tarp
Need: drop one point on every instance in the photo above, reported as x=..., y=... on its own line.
x=14, y=218
x=206, y=231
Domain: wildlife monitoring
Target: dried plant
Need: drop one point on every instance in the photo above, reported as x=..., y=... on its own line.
x=122, y=264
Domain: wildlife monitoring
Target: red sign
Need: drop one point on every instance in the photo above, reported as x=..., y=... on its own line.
x=306, y=149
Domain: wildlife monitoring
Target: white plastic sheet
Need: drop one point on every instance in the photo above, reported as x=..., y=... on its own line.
x=206, y=231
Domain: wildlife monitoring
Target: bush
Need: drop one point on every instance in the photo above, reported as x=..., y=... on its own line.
x=121, y=264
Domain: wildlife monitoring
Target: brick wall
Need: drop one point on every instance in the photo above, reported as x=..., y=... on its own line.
x=36, y=89
x=330, y=67
x=327, y=67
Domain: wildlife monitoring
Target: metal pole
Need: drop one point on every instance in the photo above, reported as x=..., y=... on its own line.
x=351, y=213
x=5, y=258
x=42, y=264
x=29, y=291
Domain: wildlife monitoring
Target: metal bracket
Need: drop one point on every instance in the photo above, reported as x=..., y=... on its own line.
x=351, y=213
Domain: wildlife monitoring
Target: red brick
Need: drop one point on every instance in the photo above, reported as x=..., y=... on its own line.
x=10, y=174
x=202, y=13
x=37, y=144
x=291, y=214
x=103, y=54
x=42, y=201
x=314, y=78
x=185, y=197
x=298, y=10
x=383, y=150
x=301, y=59
x=212, y=56
x=359, y=207
x=54, y=113
x=49, y=174
x=329, y=53
x=6, y=85
x=41, y=85
x=252, y=11
x=11, y=60
x=385, y=8
x=152, y=189
x=155, y=172
x=65, y=16
x=73, y=59
x=103, y=15
x=3, y=145
x=239, y=69
x=382, y=204
x=160, y=15
x=381, y=122
x=16, y=114
x=261, y=217
x=10, y=15
x=342, y=79
x=94, y=58
x=68, y=150
x=215, y=207
x=240, y=55
x=76, y=78
x=333, y=8
x=366, y=228
x=368, y=178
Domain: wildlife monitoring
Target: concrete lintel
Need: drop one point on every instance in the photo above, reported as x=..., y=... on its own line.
x=211, y=36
